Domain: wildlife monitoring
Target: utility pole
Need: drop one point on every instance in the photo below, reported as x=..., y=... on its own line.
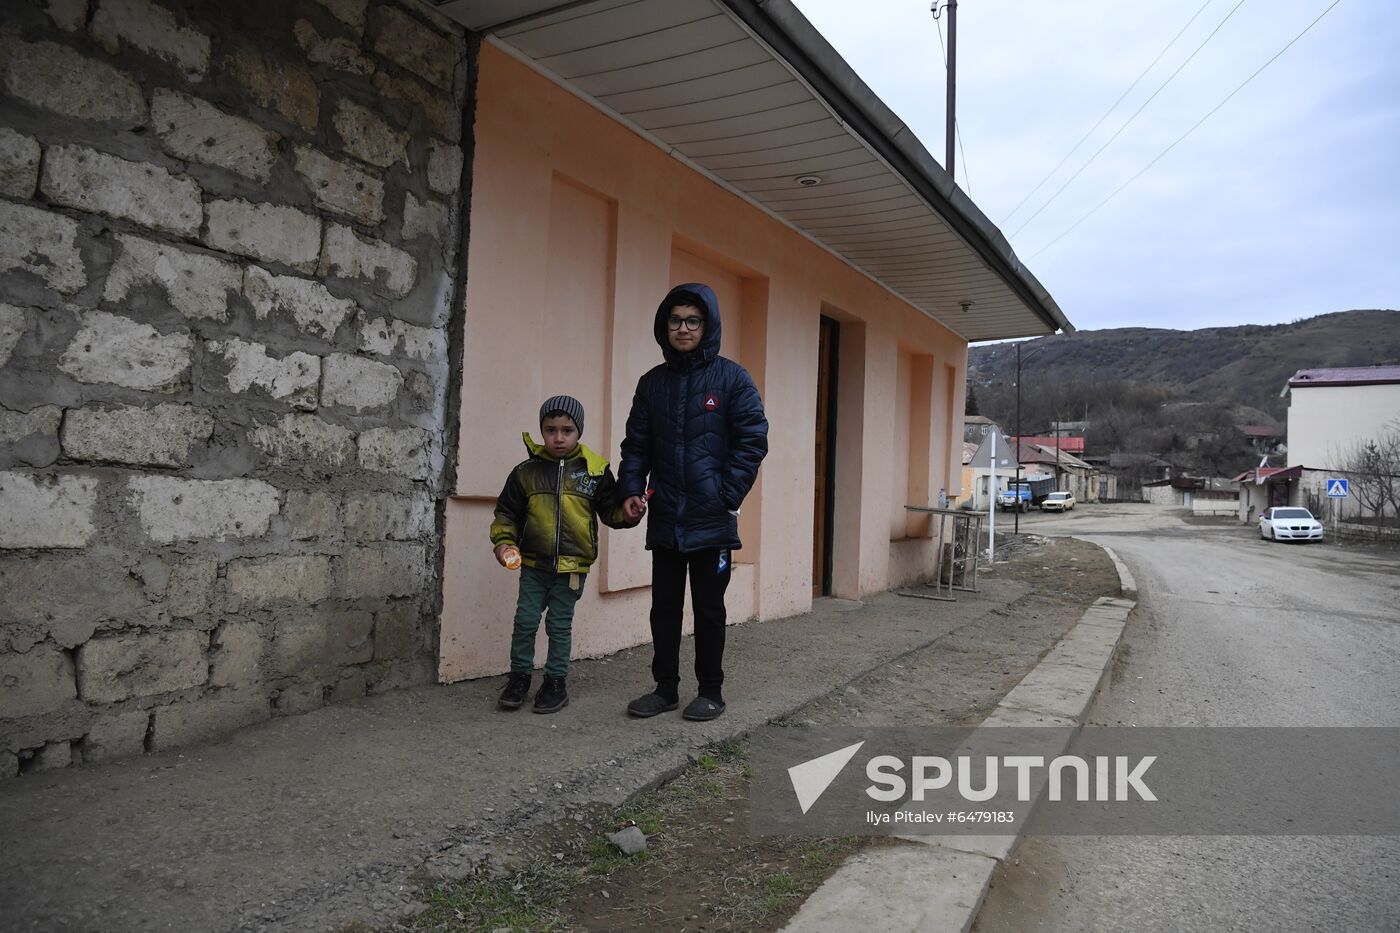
x=1057, y=448
x=952, y=128
x=1016, y=529
x=992, y=508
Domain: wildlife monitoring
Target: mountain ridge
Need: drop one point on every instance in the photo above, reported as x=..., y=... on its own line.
x=1243, y=366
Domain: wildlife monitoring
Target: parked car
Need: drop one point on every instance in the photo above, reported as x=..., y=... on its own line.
x=1058, y=502
x=1289, y=523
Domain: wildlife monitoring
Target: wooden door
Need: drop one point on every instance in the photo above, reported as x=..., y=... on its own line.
x=825, y=458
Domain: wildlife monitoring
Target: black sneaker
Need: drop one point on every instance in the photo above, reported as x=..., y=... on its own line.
x=514, y=692
x=552, y=696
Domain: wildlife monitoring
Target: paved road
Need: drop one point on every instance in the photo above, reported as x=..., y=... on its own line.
x=1232, y=631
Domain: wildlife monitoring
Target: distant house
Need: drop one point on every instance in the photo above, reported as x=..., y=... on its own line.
x=969, y=451
x=1070, y=428
x=1266, y=439
x=1332, y=413
x=975, y=428
x=1203, y=495
x=1265, y=487
x=1068, y=443
x=1069, y=472
x=990, y=476
x=1131, y=472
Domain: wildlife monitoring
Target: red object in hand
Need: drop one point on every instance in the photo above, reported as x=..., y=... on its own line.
x=647, y=496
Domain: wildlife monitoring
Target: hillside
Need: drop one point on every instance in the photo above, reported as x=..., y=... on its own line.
x=1233, y=367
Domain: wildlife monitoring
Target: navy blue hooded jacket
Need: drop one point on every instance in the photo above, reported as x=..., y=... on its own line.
x=697, y=429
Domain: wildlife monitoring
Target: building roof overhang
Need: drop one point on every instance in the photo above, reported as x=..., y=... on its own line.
x=749, y=94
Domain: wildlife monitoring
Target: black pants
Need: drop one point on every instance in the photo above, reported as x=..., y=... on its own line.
x=709, y=577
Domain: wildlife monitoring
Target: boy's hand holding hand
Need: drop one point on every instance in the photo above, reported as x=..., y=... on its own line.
x=634, y=507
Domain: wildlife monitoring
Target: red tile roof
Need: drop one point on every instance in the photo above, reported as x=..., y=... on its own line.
x=1257, y=474
x=1260, y=430
x=1071, y=445
x=1038, y=453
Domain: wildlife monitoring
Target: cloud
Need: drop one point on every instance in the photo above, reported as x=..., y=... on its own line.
x=1281, y=205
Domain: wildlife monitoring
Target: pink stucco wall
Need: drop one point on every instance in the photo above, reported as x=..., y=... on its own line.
x=578, y=228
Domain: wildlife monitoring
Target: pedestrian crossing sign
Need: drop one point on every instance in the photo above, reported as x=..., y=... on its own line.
x=1338, y=488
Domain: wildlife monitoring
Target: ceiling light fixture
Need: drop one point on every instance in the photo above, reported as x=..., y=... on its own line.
x=807, y=181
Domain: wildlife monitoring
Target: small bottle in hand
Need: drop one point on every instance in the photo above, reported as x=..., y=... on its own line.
x=510, y=557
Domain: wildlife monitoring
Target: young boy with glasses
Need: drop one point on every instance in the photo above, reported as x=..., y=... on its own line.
x=696, y=436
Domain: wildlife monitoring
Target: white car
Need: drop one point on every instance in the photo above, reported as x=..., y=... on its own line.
x=1289, y=523
x=1057, y=502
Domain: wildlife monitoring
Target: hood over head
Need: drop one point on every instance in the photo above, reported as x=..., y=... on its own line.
x=703, y=297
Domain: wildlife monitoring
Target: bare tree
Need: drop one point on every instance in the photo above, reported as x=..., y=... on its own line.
x=1390, y=457
x=1373, y=466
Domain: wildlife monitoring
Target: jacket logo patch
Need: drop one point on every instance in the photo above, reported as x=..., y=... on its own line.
x=584, y=483
x=711, y=402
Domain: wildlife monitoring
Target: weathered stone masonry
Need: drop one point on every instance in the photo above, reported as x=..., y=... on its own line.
x=228, y=244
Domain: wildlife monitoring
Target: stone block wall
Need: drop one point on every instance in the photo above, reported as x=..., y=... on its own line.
x=228, y=245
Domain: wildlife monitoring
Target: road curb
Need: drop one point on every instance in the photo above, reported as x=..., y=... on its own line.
x=938, y=884
x=1127, y=585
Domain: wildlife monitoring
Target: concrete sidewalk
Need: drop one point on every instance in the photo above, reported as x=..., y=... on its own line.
x=316, y=821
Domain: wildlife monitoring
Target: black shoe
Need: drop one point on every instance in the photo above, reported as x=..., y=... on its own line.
x=702, y=709
x=651, y=704
x=552, y=696
x=513, y=693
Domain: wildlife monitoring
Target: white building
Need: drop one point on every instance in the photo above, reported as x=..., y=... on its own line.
x=1333, y=411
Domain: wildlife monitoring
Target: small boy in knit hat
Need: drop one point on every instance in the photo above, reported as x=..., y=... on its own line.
x=547, y=527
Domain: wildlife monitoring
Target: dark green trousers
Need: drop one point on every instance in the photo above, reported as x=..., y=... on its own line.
x=551, y=594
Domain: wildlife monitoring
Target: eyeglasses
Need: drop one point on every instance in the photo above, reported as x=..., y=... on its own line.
x=691, y=323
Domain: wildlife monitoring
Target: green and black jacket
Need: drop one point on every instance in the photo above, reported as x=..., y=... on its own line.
x=549, y=509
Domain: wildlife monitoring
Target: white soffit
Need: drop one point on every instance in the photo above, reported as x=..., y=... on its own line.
x=693, y=78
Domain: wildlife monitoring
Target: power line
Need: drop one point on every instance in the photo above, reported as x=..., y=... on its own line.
x=1106, y=113
x=1188, y=132
x=1140, y=109
x=957, y=127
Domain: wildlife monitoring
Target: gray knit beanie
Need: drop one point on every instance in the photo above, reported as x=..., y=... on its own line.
x=566, y=405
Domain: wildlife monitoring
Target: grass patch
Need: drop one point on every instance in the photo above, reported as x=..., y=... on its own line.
x=764, y=896
x=793, y=720
x=604, y=858
x=731, y=750
x=821, y=857
x=709, y=762
x=527, y=900
x=780, y=884
x=644, y=814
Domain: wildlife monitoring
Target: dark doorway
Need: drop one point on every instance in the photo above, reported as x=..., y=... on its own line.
x=825, y=465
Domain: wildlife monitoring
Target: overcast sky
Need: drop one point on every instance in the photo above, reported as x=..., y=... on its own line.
x=1283, y=205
